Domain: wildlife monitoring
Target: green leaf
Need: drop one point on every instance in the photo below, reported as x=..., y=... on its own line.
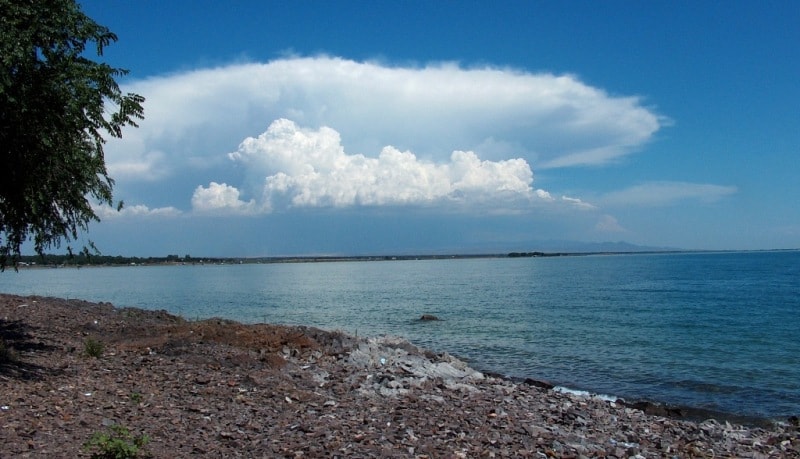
x=56, y=108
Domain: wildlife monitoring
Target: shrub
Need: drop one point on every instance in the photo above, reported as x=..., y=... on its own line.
x=93, y=348
x=116, y=443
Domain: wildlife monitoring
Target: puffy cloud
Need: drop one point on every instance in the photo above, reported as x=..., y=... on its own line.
x=305, y=167
x=664, y=193
x=220, y=198
x=548, y=120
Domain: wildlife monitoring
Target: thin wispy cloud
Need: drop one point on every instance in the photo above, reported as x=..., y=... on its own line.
x=665, y=193
x=578, y=203
x=139, y=210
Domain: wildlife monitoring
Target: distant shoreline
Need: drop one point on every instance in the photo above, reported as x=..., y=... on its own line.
x=49, y=260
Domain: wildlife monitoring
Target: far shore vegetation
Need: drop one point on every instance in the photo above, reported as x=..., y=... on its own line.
x=81, y=259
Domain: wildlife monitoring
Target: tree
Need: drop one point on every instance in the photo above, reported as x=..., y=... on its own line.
x=55, y=106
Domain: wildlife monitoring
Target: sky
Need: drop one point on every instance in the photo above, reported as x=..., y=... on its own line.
x=378, y=127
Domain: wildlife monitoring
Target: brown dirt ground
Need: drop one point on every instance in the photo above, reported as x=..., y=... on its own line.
x=217, y=388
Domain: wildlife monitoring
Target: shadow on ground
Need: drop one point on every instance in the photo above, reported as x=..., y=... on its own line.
x=17, y=340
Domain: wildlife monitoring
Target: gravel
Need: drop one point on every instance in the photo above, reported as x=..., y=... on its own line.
x=217, y=388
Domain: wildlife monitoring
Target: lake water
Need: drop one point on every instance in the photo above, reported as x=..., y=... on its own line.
x=717, y=331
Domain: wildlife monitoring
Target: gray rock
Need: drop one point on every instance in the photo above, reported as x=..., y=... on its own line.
x=428, y=317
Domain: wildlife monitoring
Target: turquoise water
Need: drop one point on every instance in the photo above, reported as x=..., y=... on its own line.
x=711, y=330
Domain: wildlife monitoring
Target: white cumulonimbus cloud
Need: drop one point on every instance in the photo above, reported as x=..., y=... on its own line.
x=297, y=167
x=498, y=113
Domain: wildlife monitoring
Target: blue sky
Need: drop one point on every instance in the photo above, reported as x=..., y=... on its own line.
x=297, y=128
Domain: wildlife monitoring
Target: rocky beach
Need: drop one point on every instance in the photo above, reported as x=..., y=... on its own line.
x=71, y=370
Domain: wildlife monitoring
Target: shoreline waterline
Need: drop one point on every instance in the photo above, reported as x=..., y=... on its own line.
x=649, y=407
x=220, y=388
x=714, y=331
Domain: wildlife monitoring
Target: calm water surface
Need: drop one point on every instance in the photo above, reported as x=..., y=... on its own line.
x=716, y=331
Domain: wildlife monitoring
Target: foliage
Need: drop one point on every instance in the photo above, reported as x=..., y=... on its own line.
x=93, y=348
x=116, y=443
x=55, y=106
x=529, y=254
x=80, y=259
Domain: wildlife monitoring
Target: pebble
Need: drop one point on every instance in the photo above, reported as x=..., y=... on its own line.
x=221, y=389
